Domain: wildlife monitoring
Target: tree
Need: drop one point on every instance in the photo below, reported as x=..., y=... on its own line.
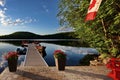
x=103, y=33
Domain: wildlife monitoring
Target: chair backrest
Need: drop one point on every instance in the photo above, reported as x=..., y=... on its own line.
x=114, y=63
x=110, y=64
x=117, y=64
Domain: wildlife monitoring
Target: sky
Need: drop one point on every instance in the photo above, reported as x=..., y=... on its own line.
x=37, y=16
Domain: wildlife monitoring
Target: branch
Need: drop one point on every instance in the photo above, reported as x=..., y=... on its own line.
x=104, y=29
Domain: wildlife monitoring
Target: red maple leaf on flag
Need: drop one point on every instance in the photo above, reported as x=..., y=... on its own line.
x=92, y=4
x=92, y=10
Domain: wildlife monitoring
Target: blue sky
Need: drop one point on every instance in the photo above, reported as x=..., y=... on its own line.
x=37, y=16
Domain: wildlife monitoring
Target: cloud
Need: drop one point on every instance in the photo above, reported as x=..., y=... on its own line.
x=78, y=50
x=5, y=9
x=45, y=8
x=8, y=21
x=2, y=14
x=11, y=22
x=2, y=17
x=2, y=2
x=65, y=29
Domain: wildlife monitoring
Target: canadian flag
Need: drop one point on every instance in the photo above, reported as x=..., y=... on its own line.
x=92, y=10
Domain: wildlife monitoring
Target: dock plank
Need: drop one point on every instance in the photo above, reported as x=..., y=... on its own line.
x=51, y=73
x=33, y=57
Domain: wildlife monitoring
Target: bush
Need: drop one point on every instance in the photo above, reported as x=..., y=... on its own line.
x=85, y=61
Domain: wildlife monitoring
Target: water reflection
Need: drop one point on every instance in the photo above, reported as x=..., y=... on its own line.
x=21, y=51
x=44, y=52
x=74, y=54
x=65, y=42
x=5, y=48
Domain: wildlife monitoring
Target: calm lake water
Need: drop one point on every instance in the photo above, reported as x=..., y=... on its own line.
x=74, y=54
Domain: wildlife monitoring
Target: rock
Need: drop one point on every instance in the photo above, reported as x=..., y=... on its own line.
x=96, y=63
x=106, y=60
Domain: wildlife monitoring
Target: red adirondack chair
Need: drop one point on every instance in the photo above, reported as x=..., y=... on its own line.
x=114, y=65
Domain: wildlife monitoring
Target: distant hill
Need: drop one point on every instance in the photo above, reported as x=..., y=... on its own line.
x=29, y=35
x=65, y=35
x=20, y=35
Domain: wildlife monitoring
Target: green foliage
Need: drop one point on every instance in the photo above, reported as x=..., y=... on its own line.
x=60, y=56
x=104, y=55
x=103, y=33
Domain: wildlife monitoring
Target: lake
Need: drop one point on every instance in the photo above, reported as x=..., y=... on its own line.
x=74, y=54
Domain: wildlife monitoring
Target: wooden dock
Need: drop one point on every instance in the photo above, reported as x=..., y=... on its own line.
x=51, y=73
x=33, y=57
